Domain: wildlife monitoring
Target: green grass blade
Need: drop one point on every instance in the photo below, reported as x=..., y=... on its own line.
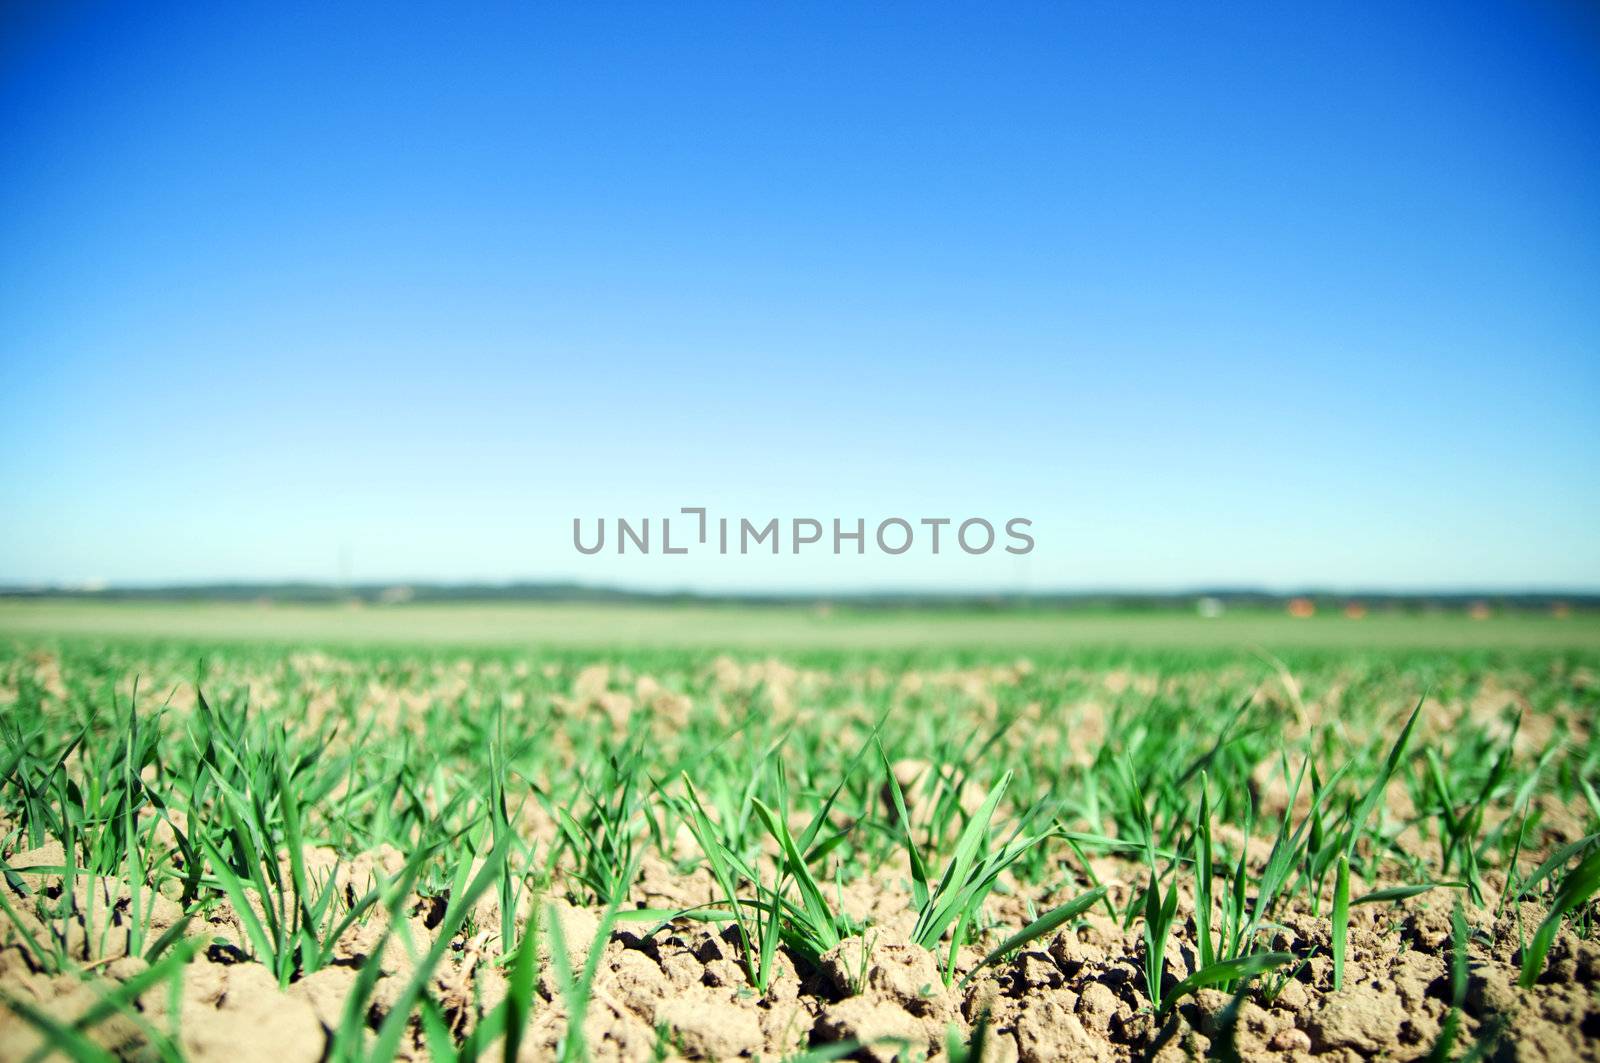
x=1044, y=925
x=1341, y=919
x=1579, y=885
x=1400, y=893
x=1225, y=972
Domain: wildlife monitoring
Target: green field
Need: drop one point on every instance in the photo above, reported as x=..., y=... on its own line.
x=780, y=627
x=630, y=833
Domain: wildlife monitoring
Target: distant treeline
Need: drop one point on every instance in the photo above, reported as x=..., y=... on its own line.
x=397, y=594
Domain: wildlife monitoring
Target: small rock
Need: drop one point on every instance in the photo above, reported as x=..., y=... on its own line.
x=681, y=968
x=1363, y=1018
x=709, y=948
x=639, y=982
x=1071, y=954
x=1096, y=1005
x=1293, y=997
x=723, y=973
x=326, y=991
x=1047, y=1031
x=886, y=1031
x=1291, y=1039
x=1588, y=962
x=710, y=1027
x=1034, y=970
x=883, y=964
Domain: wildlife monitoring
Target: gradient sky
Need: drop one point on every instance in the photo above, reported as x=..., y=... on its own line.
x=1215, y=294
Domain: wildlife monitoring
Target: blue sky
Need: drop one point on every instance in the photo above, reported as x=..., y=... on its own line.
x=1234, y=294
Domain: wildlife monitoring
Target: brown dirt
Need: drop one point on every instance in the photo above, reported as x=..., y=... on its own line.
x=684, y=991
x=1075, y=996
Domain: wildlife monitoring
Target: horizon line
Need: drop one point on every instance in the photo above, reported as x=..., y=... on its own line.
x=402, y=591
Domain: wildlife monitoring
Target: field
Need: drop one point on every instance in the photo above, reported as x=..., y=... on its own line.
x=301, y=833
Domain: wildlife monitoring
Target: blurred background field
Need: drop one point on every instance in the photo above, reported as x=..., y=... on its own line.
x=736, y=627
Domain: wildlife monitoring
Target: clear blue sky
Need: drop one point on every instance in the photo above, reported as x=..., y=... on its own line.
x=1282, y=294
